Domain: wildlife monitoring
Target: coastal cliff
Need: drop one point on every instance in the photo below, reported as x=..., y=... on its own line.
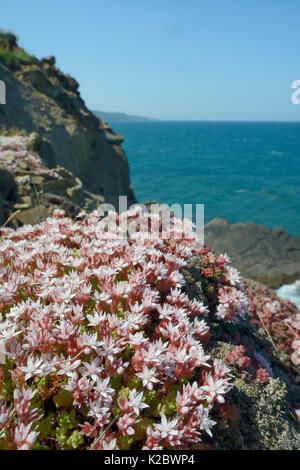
x=42, y=99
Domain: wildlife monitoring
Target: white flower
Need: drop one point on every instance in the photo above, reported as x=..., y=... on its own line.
x=165, y=428
x=33, y=367
x=148, y=377
x=25, y=437
x=204, y=423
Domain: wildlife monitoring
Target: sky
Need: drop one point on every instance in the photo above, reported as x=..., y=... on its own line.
x=170, y=59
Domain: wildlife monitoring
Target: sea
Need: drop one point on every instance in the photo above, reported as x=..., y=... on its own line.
x=240, y=171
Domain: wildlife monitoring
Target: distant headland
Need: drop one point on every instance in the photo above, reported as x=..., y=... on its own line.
x=112, y=117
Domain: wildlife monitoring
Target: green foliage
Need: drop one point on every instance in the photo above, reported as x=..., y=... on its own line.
x=45, y=427
x=63, y=399
x=39, y=446
x=65, y=436
x=75, y=440
x=67, y=420
x=124, y=442
x=8, y=36
x=14, y=57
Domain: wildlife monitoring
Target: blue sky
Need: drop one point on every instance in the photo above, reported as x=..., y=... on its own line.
x=170, y=59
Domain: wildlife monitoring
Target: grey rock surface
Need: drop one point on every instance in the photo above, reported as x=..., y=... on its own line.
x=268, y=256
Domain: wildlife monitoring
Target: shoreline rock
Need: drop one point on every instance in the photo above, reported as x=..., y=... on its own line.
x=271, y=257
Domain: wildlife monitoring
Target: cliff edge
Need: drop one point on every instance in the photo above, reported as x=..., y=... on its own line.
x=42, y=99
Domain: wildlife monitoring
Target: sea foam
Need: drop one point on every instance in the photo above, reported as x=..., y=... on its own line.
x=290, y=292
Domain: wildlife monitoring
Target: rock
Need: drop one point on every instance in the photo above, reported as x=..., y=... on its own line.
x=34, y=141
x=20, y=206
x=37, y=180
x=8, y=193
x=113, y=138
x=155, y=207
x=268, y=256
x=264, y=419
x=22, y=180
x=49, y=60
x=33, y=215
x=38, y=191
x=195, y=283
x=25, y=202
x=48, y=103
x=59, y=185
x=74, y=192
x=23, y=165
x=39, y=80
x=7, y=184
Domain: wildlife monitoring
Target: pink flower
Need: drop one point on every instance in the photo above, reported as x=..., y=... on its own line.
x=214, y=389
x=165, y=429
x=25, y=437
x=133, y=404
x=148, y=376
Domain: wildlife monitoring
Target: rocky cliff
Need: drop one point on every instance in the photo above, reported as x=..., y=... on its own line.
x=42, y=99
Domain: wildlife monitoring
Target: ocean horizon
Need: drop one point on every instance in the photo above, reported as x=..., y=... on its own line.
x=242, y=171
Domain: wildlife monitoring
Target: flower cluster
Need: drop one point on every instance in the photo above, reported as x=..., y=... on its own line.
x=262, y=369
x=262, y=376
x=238, y=357
x=100, y=346
x=232, y=302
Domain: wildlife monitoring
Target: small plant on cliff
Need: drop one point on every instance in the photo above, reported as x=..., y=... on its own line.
x=14, y=57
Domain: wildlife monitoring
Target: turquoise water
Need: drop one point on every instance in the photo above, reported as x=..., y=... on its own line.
x=243, y=172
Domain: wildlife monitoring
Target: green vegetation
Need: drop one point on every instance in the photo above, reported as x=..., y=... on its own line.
x=8, y=36
x=10, y=54
x=14, y=57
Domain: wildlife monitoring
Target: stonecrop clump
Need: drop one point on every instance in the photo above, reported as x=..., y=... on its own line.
x=101, y=348
x=280, y=317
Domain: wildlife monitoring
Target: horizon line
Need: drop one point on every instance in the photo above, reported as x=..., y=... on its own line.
x=151, y=120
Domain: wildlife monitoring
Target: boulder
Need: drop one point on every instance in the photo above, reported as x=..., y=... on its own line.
x=268, y=256
x=49, y=60
x=39, y=80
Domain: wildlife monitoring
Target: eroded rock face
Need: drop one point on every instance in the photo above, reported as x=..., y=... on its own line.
x=32, y=191
x=268, y=256
x=41, y=99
